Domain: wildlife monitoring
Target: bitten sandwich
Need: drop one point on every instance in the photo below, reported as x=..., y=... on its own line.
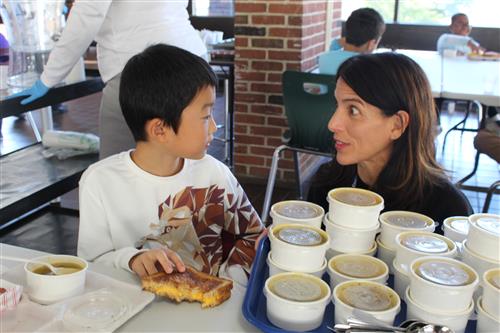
x=191, y=286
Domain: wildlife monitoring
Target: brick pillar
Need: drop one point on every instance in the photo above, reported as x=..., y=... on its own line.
x=272, y=36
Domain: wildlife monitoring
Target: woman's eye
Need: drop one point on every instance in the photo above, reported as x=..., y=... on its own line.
x=354, y=111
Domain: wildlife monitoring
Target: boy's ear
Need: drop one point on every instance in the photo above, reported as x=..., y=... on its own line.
x=156, y=130
x=372, y=44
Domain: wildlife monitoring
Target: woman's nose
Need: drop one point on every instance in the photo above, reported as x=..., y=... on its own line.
x=334, y=125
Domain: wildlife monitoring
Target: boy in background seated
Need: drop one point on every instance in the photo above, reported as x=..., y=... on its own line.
x=166, y=204
x=363, y=31
x=459, y=40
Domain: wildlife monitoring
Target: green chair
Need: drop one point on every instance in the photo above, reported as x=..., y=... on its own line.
x=309, y=104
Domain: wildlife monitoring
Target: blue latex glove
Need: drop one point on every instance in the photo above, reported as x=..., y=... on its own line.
x=35, y=92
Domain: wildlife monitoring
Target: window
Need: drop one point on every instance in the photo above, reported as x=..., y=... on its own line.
x=481, y=13
x=212, y=7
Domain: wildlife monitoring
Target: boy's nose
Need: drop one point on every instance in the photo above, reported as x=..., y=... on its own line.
x=212, y=126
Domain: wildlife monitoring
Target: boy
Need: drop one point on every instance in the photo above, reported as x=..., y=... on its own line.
x=458, y=40
x=167, y=203
x=363, y=30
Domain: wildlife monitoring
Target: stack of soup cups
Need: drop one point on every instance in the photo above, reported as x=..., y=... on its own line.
x=394, y=222
x=440, y=291
x=298, y=213
x=488, y=305
x=352, y=220
x=411, y=245
x=481, y=249
x=296, y=300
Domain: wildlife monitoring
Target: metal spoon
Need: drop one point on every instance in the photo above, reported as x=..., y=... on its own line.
x=420, y=327
x=54, y=270
x=344, y=328
x=356, y=324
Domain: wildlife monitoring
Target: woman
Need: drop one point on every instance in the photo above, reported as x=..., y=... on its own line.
x=384, y=138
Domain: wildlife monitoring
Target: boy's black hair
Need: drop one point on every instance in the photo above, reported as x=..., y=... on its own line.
x=456, y=16
x=160, y=82
x=363, y=25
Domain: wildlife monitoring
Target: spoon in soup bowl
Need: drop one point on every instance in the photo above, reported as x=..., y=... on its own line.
x=53, y=270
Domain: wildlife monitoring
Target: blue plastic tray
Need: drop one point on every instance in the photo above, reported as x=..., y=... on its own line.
x=254, y=304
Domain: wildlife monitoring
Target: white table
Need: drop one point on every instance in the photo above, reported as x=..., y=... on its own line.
x=471, y=80
x=458, y=77
x=432, y=66
x=161, y=315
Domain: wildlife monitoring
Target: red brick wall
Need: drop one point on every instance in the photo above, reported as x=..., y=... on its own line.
x=272, y=36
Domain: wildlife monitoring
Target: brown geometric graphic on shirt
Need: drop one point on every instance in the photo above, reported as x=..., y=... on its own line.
x=192, y=220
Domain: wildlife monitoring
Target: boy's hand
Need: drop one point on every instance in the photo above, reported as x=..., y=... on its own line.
x=145, y=262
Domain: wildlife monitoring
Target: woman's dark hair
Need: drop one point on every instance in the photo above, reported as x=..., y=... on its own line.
x=160, y=82
x=394, y=82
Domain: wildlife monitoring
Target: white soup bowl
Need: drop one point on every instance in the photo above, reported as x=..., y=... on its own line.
x=48, y=289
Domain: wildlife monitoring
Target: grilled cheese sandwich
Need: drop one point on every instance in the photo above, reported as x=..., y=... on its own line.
x=191, y=285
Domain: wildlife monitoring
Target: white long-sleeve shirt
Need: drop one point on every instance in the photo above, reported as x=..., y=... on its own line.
x=454, y=42
x=122, y=208
x=121, y=28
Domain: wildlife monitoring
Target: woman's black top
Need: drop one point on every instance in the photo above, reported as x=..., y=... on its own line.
x=441, y=200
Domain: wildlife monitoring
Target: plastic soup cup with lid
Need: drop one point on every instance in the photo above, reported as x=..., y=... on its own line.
x=491, y=292
x=296, y=211
x=296, y=301
x=347, y=267
x=457, y=321
x=486, y=322
x=298, y=247
x=411, y=245
x=365, y=298
x=484, y=235
x=476, y=261
x=442, y=284
x=354, y=208
x=275, y=268
x=456, y=228
x=348, y=240
x=385, y=254
x=394, y=222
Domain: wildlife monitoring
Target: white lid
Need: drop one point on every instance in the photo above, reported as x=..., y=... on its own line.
x=444, y=273
x=356, y=198
x=297, y=288
x=366, y=297
x=490, y=224
x=95, y=311
x=296, y=209
x=300, y=236
x=406, y=220
x=460, y=224
x=425, y=243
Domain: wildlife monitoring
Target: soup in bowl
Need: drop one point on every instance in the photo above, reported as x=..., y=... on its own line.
x=44, y=287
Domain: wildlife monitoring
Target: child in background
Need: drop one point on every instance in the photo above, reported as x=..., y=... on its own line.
x=363, y=31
